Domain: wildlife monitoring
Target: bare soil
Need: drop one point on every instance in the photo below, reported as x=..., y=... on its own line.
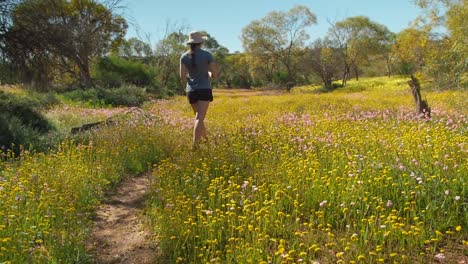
x=119, y=234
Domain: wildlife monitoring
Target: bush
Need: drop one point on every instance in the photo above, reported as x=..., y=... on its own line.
x=127, y=95
x=90, y=96
x=114, y=72
x=21, y=123
x=44, y=100
x=124, y=96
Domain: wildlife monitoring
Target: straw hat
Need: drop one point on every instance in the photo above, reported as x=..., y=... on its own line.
x=195, y=37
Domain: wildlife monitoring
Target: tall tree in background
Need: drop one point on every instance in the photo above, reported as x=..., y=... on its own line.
x=324, y=61
x=168, y=52
x=135, y=48
x=6, y=8
x=357, y=38
x=63, y=35
x=281, y=35
x=410, y=48
x=237, y=71
x=446, y=57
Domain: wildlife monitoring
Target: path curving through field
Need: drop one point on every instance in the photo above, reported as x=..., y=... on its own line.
x=119, y=234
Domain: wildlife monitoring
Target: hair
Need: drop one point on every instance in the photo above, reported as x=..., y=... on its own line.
x=193, y=47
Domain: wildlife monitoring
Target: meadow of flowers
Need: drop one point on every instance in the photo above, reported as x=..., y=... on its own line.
x=47, y=200
x=351, y=176
x=347, y=177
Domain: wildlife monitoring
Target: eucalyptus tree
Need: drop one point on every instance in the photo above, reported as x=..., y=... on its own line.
x=64, y=35
x=447, y=56
x=356, y=38
x=135, y=48
x=410, y=49
x=323, y=59
x=280, y=36
x=167, y=53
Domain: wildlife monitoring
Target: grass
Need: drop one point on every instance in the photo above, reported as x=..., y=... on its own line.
x=47, y=200
x=351, y=176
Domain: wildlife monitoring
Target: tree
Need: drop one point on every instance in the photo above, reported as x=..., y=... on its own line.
x=357, y=38
x=135, y=48
x=168, y=52
x=324, y=61
x=237, y=72
x=219, y=52
x=281, y=36
x=64, y=35
x=410, y=49
x=6, y=8
x=446, y=58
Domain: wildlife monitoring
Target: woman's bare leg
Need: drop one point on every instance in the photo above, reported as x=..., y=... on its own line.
x=199, y=131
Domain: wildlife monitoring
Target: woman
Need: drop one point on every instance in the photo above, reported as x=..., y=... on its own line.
x=197, y=68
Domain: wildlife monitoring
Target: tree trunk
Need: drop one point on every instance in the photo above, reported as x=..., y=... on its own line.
x=389, y=66
x=85, y=75
x=327, y=81
x=290, y=82
x=345, y=75
x=356, y=72
x=422, y=107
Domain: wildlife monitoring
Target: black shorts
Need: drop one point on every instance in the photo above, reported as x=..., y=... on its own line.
x=200, y=95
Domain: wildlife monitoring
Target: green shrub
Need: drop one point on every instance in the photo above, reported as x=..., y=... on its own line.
x=21, y=123
x=90, y=96
x=114, y=72
x=127, y=95
x=44, y=100
x=124, y=96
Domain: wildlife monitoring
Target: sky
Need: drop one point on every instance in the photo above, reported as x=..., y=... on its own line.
x=224, y=20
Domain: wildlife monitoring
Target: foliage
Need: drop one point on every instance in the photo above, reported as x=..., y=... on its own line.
x=168, y=55
x=114, y=71
x=126, y=95
x=55, y=37
x=135, y=48
x=237, y=71
x=410, y=48
x=281, y=36
x=356, y=38
x=446, y=62
x=324, y=61
x=22, y=123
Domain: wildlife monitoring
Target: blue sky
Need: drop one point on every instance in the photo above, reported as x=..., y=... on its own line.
x=224, y=20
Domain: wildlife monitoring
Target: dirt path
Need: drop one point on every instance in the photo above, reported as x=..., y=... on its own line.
x=119, y=234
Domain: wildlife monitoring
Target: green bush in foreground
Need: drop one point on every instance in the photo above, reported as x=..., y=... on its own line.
x=22, y=123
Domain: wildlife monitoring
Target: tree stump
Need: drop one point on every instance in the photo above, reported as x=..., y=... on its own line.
x=422, y=107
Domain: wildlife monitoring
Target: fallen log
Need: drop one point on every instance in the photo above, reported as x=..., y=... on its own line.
x=109, y=121
x=87, y=127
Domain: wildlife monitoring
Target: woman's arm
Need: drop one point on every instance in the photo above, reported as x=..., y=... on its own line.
x=213, y=70
x=183, y=72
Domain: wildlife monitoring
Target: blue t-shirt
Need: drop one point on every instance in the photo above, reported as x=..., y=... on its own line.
x=198, y=77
